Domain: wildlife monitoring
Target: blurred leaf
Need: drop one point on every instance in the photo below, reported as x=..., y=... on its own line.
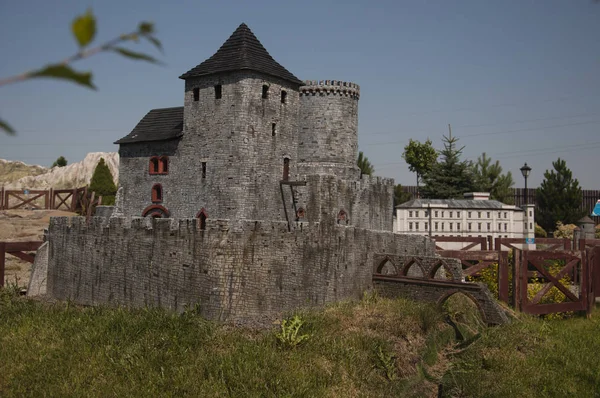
x=156, y=42
x=135, y=55
x=84, y=28
x=6, y=127
x=67, y=73
x=146, y=28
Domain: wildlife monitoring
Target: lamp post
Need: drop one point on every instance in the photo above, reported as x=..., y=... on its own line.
x=525, y=170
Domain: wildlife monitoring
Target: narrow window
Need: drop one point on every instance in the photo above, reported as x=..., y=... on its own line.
x=478, y=214
x=505, y=215
x=265, y=92
x=273, y=129
x=157, y=194
x=488, y=214
x=163, y=167
x=499, y=227
x=458, y=226
x=426, y=226
x=283, y=96
x=342, y=217
x=479, y=226
x=458, y=214
x=410, y=213
x=450, y=214
x=450, y=226
x=469, y=214
x=203, y=169
x=154, y=165
x=489, y=226
x=442, y=214
x=436, y=213
x=505, y=227
x=410, y=225
x=417, y=226
x=442, y=226
x=416, y=214
x=499, y=215
x=218, y=91
x=286, y=169
x=436, y=226
x=196, y=94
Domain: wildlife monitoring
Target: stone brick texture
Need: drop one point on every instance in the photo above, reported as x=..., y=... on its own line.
x=242, y=272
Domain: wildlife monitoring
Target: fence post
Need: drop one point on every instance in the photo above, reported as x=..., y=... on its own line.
x=516, y=281
x=74, y=200
x=51, y=199
x=2, y=262
x=2, y=198
x=503, y=276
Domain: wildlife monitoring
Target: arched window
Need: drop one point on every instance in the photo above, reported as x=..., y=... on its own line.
x=159, y=165
x=202, y=216
x=154, y=165
x=163, y=167
x=156, y=211
x=300, y=214
x=157, y=193
x=342, y=217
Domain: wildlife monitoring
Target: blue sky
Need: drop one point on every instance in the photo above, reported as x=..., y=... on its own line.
x=517, y=79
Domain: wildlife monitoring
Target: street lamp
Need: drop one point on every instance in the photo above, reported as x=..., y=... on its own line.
x=525, y=170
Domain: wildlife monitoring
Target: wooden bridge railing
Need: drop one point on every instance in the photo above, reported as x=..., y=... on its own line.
x=17, y=249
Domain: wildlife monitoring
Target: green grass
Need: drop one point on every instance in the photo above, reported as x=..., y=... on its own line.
x=371, y=348
x=530, y=358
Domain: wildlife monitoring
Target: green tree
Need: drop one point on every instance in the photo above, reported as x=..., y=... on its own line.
x=83, y=29
x=364, y=165
x=400, y=196
x=421, y=157
x=488, y=177
x=102, y=183
x=559, y=197
x=60, y=162
x=450, y=177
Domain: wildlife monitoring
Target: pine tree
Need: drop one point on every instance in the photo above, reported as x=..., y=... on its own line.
x=102, y=183
x=558, y=198
x=364, y=165
x=449, y=178
x=488, y=177
x=60, y=162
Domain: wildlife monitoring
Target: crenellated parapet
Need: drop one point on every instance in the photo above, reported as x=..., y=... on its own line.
x=336, y=87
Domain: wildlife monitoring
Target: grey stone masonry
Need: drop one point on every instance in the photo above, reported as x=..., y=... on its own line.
x=242, y=271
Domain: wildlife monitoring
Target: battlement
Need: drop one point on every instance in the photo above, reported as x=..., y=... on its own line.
x=311, y=87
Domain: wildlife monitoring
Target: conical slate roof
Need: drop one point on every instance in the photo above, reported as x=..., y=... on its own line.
x=242, y=51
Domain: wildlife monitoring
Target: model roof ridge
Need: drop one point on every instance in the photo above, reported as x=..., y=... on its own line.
x=242, y=51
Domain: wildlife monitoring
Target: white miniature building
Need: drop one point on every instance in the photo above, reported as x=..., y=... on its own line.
x=474, y=216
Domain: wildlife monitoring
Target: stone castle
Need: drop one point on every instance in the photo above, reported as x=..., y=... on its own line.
x=246, y=202
x=252, y=142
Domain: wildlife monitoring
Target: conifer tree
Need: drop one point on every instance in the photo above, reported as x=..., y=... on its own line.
x=102, y=183
x=488, y=177
x=558, y=198
x=364, y=165
x=450, y=177
x=60, y=162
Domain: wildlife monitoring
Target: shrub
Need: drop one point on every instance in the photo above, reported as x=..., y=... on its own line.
x=103, y=184
x=564, y=231
x=540, y=232
x=598, y=231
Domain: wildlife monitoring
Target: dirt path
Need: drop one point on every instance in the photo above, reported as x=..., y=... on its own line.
x=23, y=226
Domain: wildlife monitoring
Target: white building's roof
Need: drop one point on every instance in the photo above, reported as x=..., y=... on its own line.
x=457, y=204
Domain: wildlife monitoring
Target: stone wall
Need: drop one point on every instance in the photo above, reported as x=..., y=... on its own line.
x=244, y=271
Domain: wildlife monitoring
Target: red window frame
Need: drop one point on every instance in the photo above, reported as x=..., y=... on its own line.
x=157, y=193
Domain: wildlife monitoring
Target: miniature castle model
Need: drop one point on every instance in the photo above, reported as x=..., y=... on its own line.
x=245, y=203
x=252, y=142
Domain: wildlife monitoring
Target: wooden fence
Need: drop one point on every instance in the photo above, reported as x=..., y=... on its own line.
x=74, y=200
x=17, y=249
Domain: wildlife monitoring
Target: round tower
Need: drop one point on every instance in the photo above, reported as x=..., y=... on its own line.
x=328, y=134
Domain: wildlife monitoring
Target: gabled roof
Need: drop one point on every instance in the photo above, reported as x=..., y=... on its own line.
x=157, y=125
x=242, y=51
x=457, y=204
